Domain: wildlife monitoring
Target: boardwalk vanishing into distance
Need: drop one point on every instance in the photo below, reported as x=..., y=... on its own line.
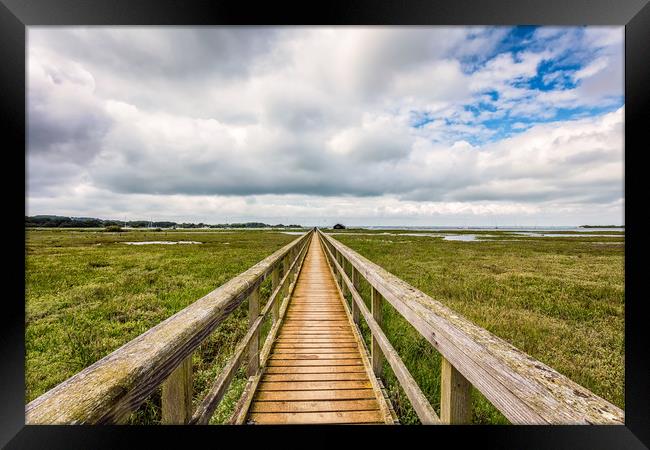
x=318, y=371
x=313, y=366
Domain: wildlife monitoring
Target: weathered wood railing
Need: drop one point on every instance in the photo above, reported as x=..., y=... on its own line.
x=525, y=390
x=111, y=388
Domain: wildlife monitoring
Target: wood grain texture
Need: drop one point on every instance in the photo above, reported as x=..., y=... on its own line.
x=524, y=389
x=315, y=406
x=344, y=394
x=315, y=371
x=338, y=417
x=455, y=396
x=176, y=395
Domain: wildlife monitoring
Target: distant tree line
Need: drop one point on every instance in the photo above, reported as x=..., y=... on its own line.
x=602, y=226
x=91, y=222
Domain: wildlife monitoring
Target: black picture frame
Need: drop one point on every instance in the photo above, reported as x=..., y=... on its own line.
x=16, y=15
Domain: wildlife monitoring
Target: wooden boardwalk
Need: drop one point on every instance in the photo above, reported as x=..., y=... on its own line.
x=317, y=371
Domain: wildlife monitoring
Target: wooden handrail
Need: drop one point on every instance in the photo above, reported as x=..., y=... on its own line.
x=421, y=405
x=525, y=390
x=207, y=407
x=112, y=387
x=238, y=416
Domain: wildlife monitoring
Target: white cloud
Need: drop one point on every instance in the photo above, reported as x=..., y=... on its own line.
x=315, y=122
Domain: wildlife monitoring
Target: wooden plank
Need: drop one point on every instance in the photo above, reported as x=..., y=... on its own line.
x=312, y=385
x=319, y=333
x=343, y=394
x=315, y=369
x=297, y=321
x=284, y=347
x=316, y=314
x=313, y=299
x=316, y=350
x=320, y=310
x=311, y=318
x=320, y=329
x=331, y=332
x=455, y=396
x=314, y=303
x=313, y=356
x=315, y=347
x=334, y=376
x=525, y=390
x=314, y=340
x=316, y=306
x=298, y=318
x=315, y=362
x=308, y=295
x=317, y=417
x=301, y=340
x=313, y=335
x=176, y=401
x=316, y=406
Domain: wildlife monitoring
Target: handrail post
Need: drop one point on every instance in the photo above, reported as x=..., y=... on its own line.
x=455, y=395
x=275, y=280
x=254, y=346
x=285, y=287
x=339, y=278
x=177, y=394
x=377, y=355
x=355, y=283
x=344, y=288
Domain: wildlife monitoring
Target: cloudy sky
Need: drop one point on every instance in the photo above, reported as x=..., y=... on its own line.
x=361, y=125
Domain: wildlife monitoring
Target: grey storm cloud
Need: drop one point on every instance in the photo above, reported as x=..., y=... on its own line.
x=165, y=52
x=244, y=111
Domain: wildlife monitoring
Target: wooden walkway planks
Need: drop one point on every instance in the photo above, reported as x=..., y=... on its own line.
x=316, y=371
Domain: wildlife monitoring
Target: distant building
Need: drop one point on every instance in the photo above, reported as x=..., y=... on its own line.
x=338, y=226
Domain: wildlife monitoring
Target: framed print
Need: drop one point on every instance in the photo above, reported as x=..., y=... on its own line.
x=314, y=217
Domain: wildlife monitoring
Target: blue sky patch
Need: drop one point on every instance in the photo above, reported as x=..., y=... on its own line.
x=565, y=55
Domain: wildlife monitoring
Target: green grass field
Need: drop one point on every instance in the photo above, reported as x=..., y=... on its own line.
x=559, y=299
